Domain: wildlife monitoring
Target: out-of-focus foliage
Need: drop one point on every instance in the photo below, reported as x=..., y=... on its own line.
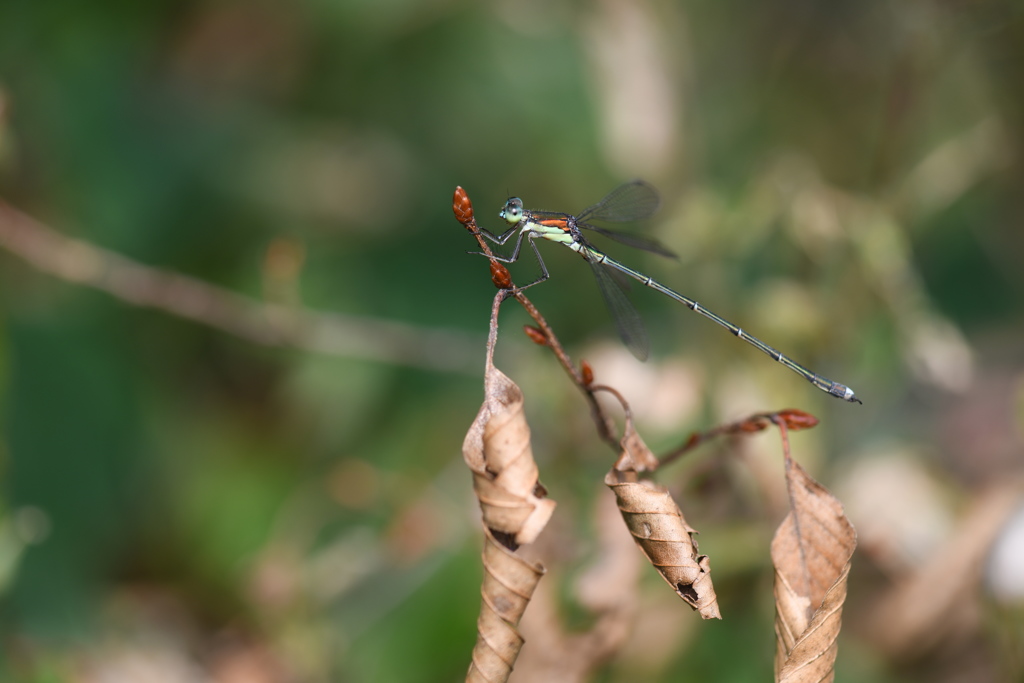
x=843, y=179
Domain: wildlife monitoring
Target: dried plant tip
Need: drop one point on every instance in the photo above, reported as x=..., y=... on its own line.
x=758, y=423
x=658, y=526
x=587, y=373
x=664, y=537
x=497, y=450
x=508, y=585
x=784, y=419
x=535, y=335
x=462, y=207
x=500, y=276
x=634, y=454
x=796, y=419
x=515, y=510
x=811, y=553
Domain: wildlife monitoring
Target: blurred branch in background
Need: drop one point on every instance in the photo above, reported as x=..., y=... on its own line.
x=266, y=323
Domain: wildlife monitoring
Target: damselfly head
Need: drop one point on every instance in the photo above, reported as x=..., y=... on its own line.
x=512, y=212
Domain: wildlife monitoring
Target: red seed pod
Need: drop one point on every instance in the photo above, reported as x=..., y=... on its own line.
x=500, y=276
x=462, y=207
x=797, y=419
x=587, y=372
x=535, y=335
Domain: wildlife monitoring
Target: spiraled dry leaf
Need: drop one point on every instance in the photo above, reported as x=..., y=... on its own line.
x=509, y=582
x=811, y=552
x=497, y=450
x=606, y=590
x=658, y=527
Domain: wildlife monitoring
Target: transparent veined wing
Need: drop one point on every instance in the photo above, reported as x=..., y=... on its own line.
x=627, y=320
x=630, y=201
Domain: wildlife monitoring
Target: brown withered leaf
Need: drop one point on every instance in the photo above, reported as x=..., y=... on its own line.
x=606, y=590
x=515, y=510
x=811, y=553
x=659, y=528
x=497, y=450
x=508, y=585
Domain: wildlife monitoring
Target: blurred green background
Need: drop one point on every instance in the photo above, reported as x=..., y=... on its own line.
x=842, y=179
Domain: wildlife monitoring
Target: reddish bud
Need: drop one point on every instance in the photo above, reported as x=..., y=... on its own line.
x=462, y=207
x=797, y=419
x=535, y=335
x=500, y=276
x=587, y=372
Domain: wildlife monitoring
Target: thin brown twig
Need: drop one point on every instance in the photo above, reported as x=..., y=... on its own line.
x=463, y=209
x=264, y=323
x=789, y=418
x=784, y=433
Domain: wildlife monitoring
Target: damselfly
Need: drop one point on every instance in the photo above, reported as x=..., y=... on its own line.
x=629, y=202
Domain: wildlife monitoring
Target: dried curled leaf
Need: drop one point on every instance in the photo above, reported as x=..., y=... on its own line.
x=509, y=582
x=497, y=450
x=659, y=529
x=811, y=553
